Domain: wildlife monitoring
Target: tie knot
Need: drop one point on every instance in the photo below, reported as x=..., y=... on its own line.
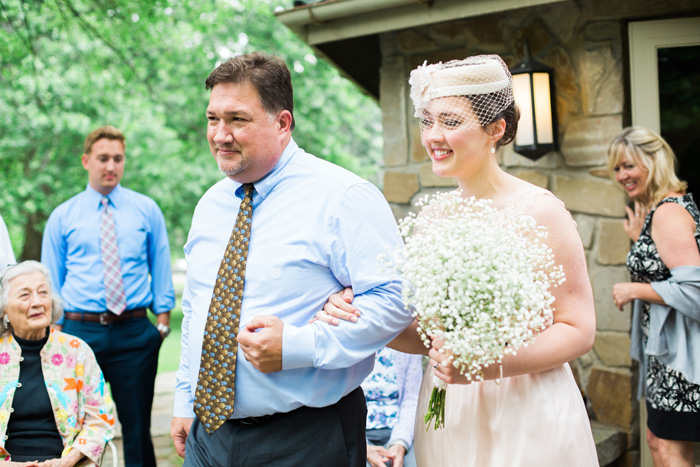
x=248, y=189
x=105, y=201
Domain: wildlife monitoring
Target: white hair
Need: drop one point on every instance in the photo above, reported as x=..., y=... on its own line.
x=26, y=267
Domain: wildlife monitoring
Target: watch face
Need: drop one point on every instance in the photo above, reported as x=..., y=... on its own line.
x=164, y=329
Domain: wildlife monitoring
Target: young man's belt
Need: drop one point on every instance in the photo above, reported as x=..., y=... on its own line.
x=104, y=318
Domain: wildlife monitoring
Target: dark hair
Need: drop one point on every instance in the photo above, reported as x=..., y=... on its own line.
x=510, y=114
x=268, y=74
x=108, y=132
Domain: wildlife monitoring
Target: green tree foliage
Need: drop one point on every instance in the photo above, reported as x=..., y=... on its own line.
x=69, y=66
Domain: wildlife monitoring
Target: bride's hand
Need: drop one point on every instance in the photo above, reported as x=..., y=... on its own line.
x=440, y=360
x=338, y=306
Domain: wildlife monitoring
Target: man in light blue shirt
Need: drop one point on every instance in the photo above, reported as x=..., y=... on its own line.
x=125, y=343
x=315, y=229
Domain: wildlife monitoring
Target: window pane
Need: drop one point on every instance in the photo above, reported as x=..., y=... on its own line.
x=679, y=102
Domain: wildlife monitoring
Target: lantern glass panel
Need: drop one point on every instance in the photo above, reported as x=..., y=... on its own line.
x=543, y=108
x=522, y=96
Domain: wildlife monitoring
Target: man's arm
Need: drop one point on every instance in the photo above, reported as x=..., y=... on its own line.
x=362, y=230
x=159, y=267
x=183, y=412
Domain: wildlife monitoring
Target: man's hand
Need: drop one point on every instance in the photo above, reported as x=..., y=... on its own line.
x=179, y=430
x=261, y=343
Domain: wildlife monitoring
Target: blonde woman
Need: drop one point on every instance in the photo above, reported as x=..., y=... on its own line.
x=664, y=263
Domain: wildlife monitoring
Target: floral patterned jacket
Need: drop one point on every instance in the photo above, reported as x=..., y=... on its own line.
x=84, y=413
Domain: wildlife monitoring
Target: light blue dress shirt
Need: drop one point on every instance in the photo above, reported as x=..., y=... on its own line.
x=316, y=228
x=71, y=250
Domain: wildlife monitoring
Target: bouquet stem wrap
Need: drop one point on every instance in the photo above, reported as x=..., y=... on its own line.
x=477, y=277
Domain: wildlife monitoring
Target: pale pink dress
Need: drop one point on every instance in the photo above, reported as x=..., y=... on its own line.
x=534, y=420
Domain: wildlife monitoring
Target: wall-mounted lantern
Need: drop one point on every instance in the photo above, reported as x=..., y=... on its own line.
x=533, y=90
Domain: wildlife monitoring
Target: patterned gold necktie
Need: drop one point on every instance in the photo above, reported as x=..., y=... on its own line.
x=217, y=371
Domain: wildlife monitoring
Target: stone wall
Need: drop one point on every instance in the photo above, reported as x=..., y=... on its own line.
x=584, y=41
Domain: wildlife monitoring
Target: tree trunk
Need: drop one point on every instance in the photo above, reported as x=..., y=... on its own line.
x=32, y=237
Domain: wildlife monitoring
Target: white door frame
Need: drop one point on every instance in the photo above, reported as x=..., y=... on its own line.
x=645, y=38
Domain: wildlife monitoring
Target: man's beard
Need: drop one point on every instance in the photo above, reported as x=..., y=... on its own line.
x=230, y=167
x=233, y=169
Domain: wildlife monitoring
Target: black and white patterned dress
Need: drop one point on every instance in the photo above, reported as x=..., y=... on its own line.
x=673, y=402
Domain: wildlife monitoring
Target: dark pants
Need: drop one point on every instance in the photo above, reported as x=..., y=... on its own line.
x=127, y=352
x=305, y=437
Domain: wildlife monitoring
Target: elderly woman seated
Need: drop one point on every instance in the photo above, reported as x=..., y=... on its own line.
x=53, y=408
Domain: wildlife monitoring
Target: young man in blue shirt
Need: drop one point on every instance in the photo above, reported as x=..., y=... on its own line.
x=108, y=252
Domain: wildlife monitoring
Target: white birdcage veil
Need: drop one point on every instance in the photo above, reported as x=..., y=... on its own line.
x=481, y=85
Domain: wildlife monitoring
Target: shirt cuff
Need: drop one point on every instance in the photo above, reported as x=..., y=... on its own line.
x=298, y=350
x=400, y=442
x=183, y=406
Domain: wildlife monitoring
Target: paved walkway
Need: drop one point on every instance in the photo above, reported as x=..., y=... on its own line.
x=160, y=423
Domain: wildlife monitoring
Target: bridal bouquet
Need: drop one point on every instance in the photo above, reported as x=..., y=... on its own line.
x=478, y=280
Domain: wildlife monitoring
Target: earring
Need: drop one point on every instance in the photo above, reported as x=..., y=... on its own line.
x=6, y=321
x=493, y=150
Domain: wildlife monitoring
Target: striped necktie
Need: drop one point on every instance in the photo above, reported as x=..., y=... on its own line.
x=111, y=265
x=217, y=371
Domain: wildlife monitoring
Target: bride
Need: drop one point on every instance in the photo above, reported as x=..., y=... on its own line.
x=529, y=411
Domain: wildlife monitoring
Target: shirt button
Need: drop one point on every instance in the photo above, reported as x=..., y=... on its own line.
x=19, y=385
x=21, y=359
x=12, y=409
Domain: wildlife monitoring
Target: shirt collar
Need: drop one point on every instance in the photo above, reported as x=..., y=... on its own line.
x=266, y=184
x=95, y=197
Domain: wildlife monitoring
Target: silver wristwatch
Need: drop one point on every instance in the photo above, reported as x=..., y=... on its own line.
x=163, y=329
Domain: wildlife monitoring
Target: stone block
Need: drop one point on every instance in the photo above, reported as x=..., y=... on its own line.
x=393, y=93
x=536, y=178
x=509, y=158
x=602, y=31
x=418, y=151
x=586, y=226
x=434, y=57
x=601, y=82
x=399, y=187
x=487, y=31
x=561, y=19
x=590, y=196
x=600, y=172
x=613, y=348
x=400, y=210
x=585, y=360
x=608, y=317
x=586, y=141
x=536, y=34
x=411, y=41
x=429, y=179
x=610, y=393
x=633, y=459
x=613, y=243
x=610, y=442
x=565, y=78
